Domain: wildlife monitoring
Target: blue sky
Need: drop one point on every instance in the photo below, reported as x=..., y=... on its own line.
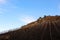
x=15, y=13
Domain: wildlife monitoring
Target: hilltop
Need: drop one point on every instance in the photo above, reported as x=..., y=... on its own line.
x=46, y=28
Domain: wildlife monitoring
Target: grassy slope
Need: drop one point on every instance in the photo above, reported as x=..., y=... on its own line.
x=46, y=28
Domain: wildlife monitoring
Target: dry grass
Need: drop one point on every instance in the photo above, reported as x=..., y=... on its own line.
x=46, y=28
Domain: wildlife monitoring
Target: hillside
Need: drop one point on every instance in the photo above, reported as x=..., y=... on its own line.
x=46, y=28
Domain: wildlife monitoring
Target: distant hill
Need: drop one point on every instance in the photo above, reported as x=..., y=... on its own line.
x=46, y=28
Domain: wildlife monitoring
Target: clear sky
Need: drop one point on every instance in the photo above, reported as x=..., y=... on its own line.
x=15, y=13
